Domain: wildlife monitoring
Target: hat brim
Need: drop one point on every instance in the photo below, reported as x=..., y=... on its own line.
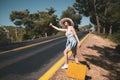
x=61, y=22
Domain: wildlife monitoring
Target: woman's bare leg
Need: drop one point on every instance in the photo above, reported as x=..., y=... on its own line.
x=66, y=58
x=74, y=51
x=66, y=55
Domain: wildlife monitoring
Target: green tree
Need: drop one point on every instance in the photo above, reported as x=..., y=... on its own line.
x=114, y=16
x=71, y=13
x=36, y=24
x=103, y=12
x=42, y=25
x=17, y=18
x=89, y=8
x=51, y=10
x=109, y=16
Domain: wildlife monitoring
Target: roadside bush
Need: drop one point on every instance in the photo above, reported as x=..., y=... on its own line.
x=116, y=37
x=3, y=38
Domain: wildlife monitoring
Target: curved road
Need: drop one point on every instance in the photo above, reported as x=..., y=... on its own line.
x=29, y=63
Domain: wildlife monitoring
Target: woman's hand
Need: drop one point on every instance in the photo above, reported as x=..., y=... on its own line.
x=79, y=45
x=59, y=29
x=50, y=24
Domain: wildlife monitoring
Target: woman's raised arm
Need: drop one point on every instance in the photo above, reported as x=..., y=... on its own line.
x=59, y=29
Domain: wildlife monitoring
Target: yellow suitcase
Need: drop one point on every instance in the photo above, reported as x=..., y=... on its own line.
x=76, y=70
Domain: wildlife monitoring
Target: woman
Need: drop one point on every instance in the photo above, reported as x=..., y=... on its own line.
x=72, y=39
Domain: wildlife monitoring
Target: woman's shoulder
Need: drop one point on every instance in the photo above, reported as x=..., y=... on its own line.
x=71, y=27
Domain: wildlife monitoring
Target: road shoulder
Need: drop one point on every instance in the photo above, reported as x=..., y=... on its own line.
x=101, y=59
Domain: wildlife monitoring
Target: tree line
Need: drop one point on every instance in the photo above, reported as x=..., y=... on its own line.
x=36, y=25
x=104, y=14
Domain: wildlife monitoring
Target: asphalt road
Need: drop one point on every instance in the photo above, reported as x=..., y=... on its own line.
x=32, y=62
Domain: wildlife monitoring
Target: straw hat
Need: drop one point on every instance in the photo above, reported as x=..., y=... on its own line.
x=61, y=22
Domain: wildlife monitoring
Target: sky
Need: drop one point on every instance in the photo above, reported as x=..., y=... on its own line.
x=7, y=6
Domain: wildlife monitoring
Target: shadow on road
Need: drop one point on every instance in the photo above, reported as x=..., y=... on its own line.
x=109, y=60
